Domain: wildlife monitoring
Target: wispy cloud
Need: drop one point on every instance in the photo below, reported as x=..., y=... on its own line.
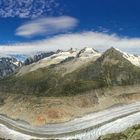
x=46, y=26
x=28, y=8
x=99, y=41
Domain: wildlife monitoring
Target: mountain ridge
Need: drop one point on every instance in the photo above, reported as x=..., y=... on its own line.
x=109, y=69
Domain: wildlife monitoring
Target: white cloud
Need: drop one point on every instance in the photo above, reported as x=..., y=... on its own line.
x=46, y=26
x=99, y=41
x=28, y=8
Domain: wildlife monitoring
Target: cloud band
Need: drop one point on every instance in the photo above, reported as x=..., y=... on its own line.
x=99, y=41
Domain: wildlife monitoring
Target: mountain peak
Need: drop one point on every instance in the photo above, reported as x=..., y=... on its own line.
x=87, y=52
x=59, y=51
x=72, y=50
x=112, y=49
x=114, y=53
x=89, y=49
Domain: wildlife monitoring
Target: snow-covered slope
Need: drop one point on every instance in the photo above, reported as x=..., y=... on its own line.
x=62, y=55
x=134, y=59
x=87, y=54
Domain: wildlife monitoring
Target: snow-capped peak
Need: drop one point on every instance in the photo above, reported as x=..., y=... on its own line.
x=72, y=50
x=88, y=52
x=134, y=59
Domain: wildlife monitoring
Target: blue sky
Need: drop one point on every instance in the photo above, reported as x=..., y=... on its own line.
x=27, y=22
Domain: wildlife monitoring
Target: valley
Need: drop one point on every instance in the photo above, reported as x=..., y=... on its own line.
x=101, y=123
x=65, y=86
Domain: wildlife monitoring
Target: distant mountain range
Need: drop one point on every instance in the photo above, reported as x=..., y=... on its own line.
x=69, y=72
x=8, y=66
x=37, y=57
